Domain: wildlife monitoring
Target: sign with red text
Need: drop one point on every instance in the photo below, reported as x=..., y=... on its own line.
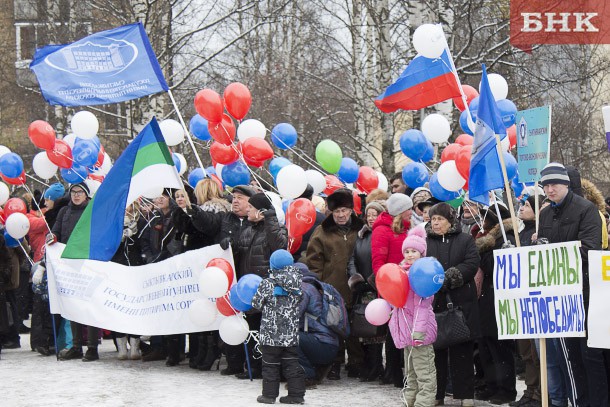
x=598, y=334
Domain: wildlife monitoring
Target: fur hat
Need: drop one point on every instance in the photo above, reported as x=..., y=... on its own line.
x=82, y=186
x=416, y=239
x=260, y=201
x=244, y=190
x=504, y=212
x=341, y=198
x=554, y=173
x=398, y=203
x=443, y=209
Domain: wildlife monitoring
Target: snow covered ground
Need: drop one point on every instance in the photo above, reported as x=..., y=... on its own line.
x=28, y=379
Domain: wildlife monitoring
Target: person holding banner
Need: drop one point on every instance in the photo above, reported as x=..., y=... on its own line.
x=458, y=254
x=569, y=218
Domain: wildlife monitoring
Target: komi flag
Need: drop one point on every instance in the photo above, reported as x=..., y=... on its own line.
x=106, y=67
x=423, y=83
x=485, y=167
x=145, y=163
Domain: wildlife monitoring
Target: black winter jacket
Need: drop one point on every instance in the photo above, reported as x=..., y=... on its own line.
x=457, y=250
x=187, y=234
x=157, y=238
x=257, y=242
x=525, y=236
x=219, y=226
x=67, y=218
x=361, y=261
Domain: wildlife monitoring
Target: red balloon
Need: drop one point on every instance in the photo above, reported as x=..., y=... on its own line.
x=462, y=161
x=20, y=180
x=100, y=157
x=511, y=132
x=393, y=284
x=96, y=177
x=2, y=217
x=294, y=243
x=223, y=154
x=470, y=93
x=61, y=154
x=464, y=139
x=224, y=131
x=218, y=181
x=357, y=202
x=42, y=134
x=332, y=184
x=450, y=152
x=14, y=205
x=237, y=99
x=225, y=266
x=209, y=105
x=367, y=179
x=257, y=149
x=224, y=307
x=300, y=217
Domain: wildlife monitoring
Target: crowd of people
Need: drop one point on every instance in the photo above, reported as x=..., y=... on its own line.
x=345, y=250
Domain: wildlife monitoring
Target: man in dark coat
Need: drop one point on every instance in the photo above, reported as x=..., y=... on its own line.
x=571, y=217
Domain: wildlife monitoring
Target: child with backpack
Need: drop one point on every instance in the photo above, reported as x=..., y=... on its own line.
x=413, y=327
x=278, y=297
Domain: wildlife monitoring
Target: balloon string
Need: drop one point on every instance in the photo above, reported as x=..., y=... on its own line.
x=25, y=252
x=36, y=179
x=304, y=156
x=25, y=186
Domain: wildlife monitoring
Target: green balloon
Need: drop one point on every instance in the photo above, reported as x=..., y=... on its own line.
x=329, y=156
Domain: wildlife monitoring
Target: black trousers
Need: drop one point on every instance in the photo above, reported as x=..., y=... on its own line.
x=529, y=355
x=93, y=335
x=277, y=360
x=456, y=360
x=42, y=325
x=497, y=358
x=236, y=355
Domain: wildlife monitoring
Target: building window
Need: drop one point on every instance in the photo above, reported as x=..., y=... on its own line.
x=30, y=36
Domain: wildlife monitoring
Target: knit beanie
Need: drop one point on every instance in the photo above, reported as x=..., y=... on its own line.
x=532, y=201
x=376, y=205
x=416, y=239
x=398, y=203
x=419, y=195
x=554, y=173
x=260, y=201
x=54, y=192
x=82, y=186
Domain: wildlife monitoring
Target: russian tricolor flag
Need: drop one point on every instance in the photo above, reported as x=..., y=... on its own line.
x=423, y=83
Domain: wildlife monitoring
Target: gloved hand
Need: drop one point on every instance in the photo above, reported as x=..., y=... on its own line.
x=418, y=338
x=453, y=278
x=224, y=243
x=50, y=239
x=38, y=275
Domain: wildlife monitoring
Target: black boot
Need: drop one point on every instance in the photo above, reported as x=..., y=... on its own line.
x=198, y=353
x=173, y=350
x=212, y=352
x=335, y=372
x=373, y=362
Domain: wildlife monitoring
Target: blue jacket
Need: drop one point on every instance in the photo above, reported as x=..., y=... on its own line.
x=311, y=303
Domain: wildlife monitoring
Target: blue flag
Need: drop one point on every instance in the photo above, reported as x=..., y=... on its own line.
x=485, y=167
x=106, y=67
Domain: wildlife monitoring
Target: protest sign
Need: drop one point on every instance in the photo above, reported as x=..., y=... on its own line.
x=533, y=142
x=538, y=291
x=599, y=306
x=153, y=299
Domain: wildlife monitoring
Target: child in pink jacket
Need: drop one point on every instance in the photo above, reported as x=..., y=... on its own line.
x=413, y=327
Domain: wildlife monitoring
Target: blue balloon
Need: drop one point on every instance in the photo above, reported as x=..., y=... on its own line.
x=508, y=111
x=74, y=175
x=429, y=154
x=415, y=175
x=277, y=164
x=348, y=172
x=95, y=139
x=439, y=192
x=464, y=122
x=413, y=144
x=236, y=174
x=284, y=136
x=247, y=286
x=285, y=204
x=517, y=186
x=10, y=241
x=474, y=106
x=199, y=127
x=280, y=259
x=511, y=165
x=195, y=176
x=426, y=276
x=85, y=152
x=236, y=303
x=11, y=165
x=210, y=170
x=176, y=162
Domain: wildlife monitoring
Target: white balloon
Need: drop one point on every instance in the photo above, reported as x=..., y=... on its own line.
x=4, y=150
x=42, y=166
x=70, y=139
x=5, y=193
x=202, y=312
x=316, y=180
x=213, y=282
x=153, y=192
x=436, y=128
x=383, y=182
x=234, y=330
x=183, y=165
x=498, y=86
x=172, y=131
x=449, y=177
x=291, y=181
x=17, y=225
x=276, y=201
x=429, y=40
x=106, y=165
x=218, y=169
x=505, y=144
x=93, y=185
x=84, y=124
x=251, y=128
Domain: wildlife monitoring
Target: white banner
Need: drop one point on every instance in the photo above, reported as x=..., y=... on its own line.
x=599, y=306
x=538, y=291
x=145, y=300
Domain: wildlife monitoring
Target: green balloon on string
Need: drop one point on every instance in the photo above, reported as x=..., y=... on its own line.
x=457, y=202
x=329, y=156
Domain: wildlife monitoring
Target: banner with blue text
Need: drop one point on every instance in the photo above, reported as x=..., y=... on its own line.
x=599, y=306
x=538, y=291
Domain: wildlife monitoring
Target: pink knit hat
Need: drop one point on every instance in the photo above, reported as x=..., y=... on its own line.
x=416, y=239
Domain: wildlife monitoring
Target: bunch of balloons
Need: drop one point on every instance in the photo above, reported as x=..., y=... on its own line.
x=214, y=282
x=14, y=217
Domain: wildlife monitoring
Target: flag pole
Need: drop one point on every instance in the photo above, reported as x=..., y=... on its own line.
x=509, y=195
x=187, y=132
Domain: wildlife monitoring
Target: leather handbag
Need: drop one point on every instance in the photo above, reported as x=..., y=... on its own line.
x=451, y=326
x=360, y=327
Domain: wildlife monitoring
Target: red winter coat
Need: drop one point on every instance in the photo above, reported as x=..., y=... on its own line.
x=37, y=234
x=386, y=246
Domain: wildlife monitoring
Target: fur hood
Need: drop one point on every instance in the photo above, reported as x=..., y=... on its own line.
x=487, y=242
x=591, y=193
